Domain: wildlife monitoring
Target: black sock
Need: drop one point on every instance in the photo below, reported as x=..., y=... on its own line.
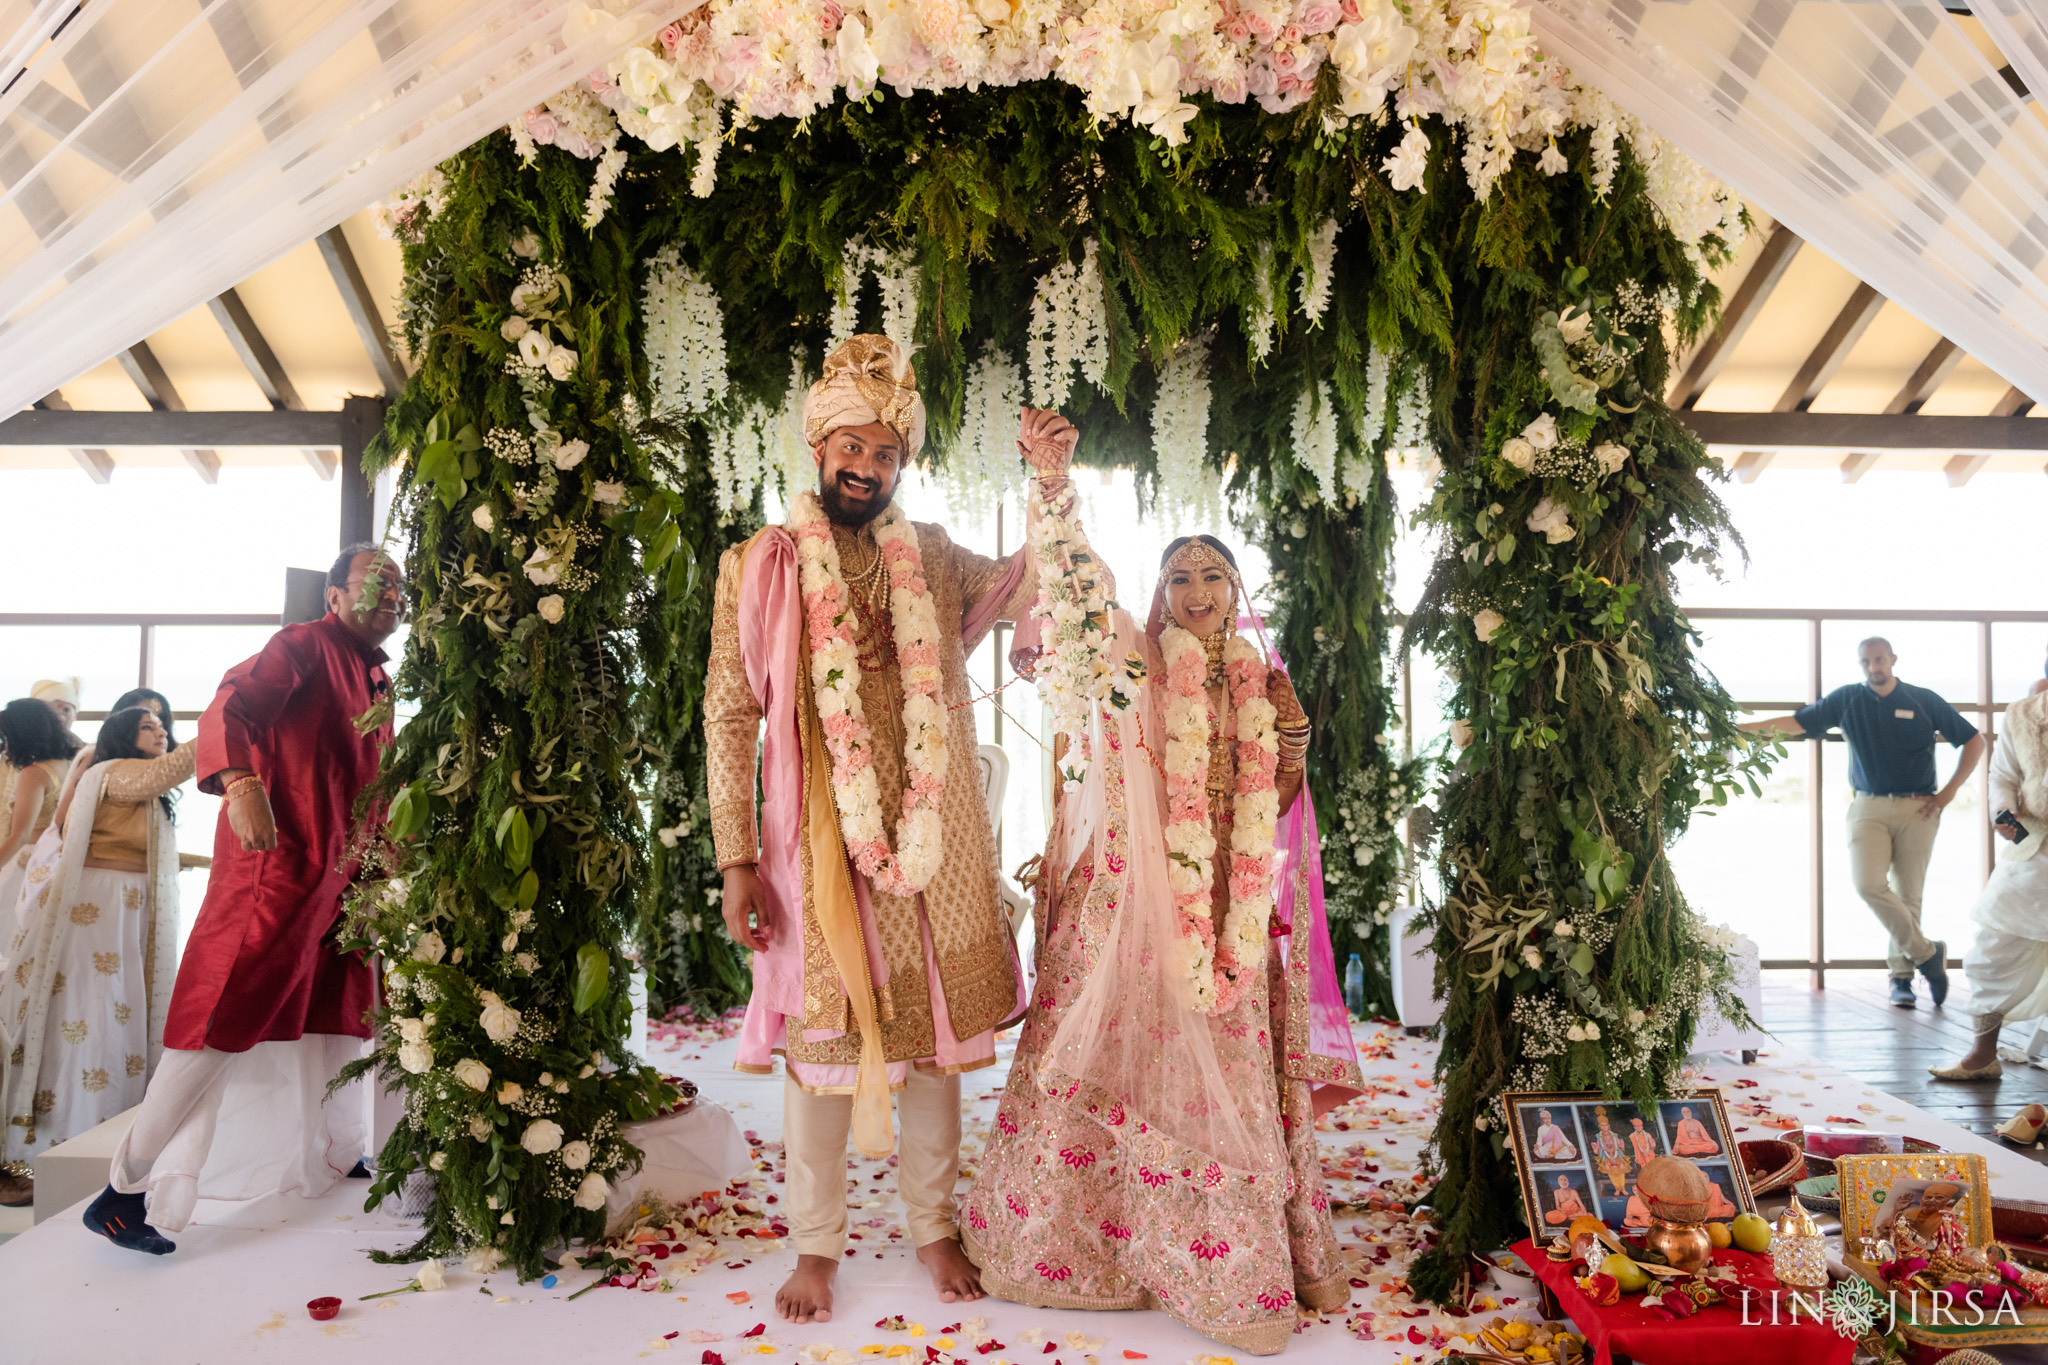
x=123, y=1220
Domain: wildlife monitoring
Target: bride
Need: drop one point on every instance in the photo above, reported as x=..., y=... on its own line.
x=1155, y=1148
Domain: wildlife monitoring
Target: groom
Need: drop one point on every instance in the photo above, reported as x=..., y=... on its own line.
x=882, y=958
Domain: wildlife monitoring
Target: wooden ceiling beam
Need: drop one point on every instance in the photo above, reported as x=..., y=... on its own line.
x=1706, y=361
x=162, y=395
x=52, y=426
x=1931, y=373
x=263, y=366
x=2012, y=403
x=1750, y=465
x=1960, y=469
x=362, y=310
x=1831, y=350
x=1858, y=463
x=1866, y=431
x=97, y=464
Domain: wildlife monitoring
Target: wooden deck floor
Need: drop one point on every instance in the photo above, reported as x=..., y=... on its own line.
x=1853, y=1026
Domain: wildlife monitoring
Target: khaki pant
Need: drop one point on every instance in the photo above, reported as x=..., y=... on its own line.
x=814, y=1133
x=1890, y=842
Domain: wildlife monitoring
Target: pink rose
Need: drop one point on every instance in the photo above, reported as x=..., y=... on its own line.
x=600, y=80
x=1350, y=9
x=670, y=38
x=541, y=126
x=1262, y=24
x=1319, y=16
x=833, y=15
x=1237, y=31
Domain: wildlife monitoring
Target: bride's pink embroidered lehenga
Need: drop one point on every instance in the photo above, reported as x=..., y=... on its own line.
x=1145, y=1155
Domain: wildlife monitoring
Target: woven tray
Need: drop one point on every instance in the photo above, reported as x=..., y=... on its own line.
x=1771, y=1165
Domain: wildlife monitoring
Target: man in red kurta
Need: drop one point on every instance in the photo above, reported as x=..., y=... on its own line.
x=266, y=1010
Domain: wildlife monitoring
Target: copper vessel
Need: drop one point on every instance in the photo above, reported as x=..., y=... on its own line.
x=1684, y=1246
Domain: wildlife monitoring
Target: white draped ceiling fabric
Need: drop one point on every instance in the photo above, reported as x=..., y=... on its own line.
x=1875, y=129
x=153, y=153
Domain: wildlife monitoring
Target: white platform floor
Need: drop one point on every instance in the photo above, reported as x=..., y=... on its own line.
x=237, y=1286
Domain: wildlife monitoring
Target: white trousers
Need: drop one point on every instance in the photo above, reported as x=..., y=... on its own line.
x=240, y=1125
x=814, y=1133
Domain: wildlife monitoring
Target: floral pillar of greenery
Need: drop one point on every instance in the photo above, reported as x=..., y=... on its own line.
x=540, y=529
x=1568, y=954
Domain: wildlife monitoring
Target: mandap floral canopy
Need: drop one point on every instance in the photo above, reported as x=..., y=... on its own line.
x=1252, y=249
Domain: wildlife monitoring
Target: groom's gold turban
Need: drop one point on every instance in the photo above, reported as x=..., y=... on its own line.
x=867, y=380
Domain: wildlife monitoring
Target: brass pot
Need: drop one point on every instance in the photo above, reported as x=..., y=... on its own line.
x=1684, y=1246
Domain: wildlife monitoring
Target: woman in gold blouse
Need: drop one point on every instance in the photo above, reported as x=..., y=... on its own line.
x=89, y=972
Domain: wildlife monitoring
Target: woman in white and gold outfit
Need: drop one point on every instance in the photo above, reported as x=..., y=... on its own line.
x=89, y=970
x=35, y=754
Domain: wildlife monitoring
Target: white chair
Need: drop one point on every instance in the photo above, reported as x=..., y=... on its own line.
x=1414, y=970
x=1717, y=1034
x=995, y=782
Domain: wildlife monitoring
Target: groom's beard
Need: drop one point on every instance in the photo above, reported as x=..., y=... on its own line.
x=853, y=501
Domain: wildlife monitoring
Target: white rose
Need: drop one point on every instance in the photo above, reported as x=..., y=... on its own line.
x=642, y=74
x=509, y=1092
x=1592, y=1032
x=473, y=1074
x=534, y=348
x=541, y=567
x=526, y=245
x=431, y=1278
x=437, y=1161
x=1573, y=325
x=561, y=362
x=526, y=962
x=1553, y=521
x=1575, y=1034
x=1519, y=453
x=500, y=1020
x=484, y=1260
x=1486, y=621
x=514, y=328
x=541, y=1136
x=1461, y=733
x=417, y=1058
x=412, y=1030
x=592, y=1193
x=550, y=609
x=613, y=493
x=571, y=453
x=1532, y=956
x=526, y=298
x=1611, y=456
x=483, y=518
x=547, y=1078
x=1541, y=433
x=480, y=1128
x=508, y=943
x=1564, y=929
x=576, y=1155
x=428, y=947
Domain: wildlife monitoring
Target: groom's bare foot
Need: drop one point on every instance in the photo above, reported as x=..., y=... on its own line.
x=806, y=1296
x=953, y=1275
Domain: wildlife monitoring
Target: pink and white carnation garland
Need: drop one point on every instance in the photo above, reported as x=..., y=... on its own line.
x=1216, y=967
x=835, y=680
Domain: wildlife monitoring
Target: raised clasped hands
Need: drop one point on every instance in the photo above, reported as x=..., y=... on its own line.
x=1046, y=440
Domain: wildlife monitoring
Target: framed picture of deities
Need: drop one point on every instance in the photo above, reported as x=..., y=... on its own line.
x=1582, y=1153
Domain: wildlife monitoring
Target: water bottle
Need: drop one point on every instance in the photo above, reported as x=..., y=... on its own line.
x=1354, y=985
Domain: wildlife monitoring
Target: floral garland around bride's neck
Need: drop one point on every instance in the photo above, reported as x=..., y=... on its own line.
x=1217, y=968
x=835, y=680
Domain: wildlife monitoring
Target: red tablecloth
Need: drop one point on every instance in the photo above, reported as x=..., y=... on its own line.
x=1718, y=1333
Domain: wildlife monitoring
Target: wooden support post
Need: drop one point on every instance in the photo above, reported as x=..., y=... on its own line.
x=361, y=419
x=1817, y=953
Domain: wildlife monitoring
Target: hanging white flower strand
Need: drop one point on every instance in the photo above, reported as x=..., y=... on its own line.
x=1188, y=489
x=1315, y=437
x=982, y=465
x=896, y=278
x=603, y=180
x=1258, y=323
x=685, y=335
x=1411, y=418
x=1315, y=277
x=1069, y=327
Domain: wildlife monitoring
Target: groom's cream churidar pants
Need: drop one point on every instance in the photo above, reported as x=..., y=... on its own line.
x=814, y=1133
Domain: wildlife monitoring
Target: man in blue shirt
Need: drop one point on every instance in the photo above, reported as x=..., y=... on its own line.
x=1891, y=727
